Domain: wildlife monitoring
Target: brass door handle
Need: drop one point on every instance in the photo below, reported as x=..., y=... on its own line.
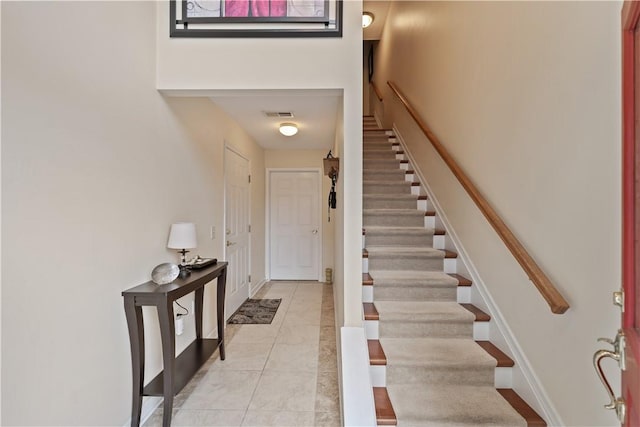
x=229, y=243
x=618, y=355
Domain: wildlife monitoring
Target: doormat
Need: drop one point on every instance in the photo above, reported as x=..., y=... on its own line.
x=256, y=311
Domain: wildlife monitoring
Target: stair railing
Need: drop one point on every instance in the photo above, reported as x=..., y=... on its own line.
x=556, y=301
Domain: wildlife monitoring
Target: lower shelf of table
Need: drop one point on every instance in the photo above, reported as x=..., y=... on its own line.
x=187, y=364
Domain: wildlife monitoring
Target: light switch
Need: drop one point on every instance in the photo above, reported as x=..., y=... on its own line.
x=213, y=232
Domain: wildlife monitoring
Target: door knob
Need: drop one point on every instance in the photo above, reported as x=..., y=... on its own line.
x=229, y=243
x=315, y=231
x=618, y=354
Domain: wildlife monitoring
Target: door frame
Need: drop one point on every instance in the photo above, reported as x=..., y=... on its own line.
x=630, y=381
x=230, y=147
x=267, y=216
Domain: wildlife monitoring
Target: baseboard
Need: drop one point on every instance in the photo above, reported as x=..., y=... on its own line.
x=258, y=286
x=149, y=404
x=377, y=117
x=522, y=365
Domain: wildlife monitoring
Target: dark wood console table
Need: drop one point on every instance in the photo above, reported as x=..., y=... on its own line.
x=177, y=370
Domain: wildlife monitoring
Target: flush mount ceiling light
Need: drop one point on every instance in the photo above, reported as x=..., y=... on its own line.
x=367, y=19
x=288, y=129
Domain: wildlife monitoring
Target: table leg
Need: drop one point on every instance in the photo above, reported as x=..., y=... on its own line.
x=222, y=283
x=199, y=301
x=136, y=340
x=167, y=334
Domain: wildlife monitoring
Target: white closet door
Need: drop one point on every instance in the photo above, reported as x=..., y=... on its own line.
x=294, y=225
x=237, y=217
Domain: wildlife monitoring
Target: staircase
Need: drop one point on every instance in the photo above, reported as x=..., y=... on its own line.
x=427, y=368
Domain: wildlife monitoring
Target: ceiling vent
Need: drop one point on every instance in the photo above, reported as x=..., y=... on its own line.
x=279, y=114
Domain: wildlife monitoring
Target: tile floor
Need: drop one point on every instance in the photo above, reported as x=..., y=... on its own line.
x=282, y=374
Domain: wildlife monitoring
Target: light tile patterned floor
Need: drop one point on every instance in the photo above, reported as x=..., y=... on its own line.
x=282, y=374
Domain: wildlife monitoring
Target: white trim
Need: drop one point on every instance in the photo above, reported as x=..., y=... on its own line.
x=267, y=217
x=376, y=116
x=522, y=364
x=378, y=375
x=357, y=391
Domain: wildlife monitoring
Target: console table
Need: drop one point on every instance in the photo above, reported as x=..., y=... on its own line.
x=177, y=370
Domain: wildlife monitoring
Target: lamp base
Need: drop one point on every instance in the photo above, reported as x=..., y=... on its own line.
x=184, y=271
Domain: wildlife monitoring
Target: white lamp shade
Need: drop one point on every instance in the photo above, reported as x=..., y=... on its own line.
x=182, y=236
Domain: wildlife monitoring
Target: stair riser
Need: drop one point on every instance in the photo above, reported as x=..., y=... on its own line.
x=381, y=164
x=412, y=293
x=368, y=136
x=422, y=240
x=384, y=175
x=435, y=329
x=369, y=203
x=378, y=145
x=393, y=221
x=436, y=375
x=390, y=188
x=379, y=154
x=405, y=263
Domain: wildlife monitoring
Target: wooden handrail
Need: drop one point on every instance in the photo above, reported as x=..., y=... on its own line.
x=555, y=300
x=376, y=90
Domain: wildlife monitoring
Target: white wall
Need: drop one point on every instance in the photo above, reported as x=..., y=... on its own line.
x=291, y=159
x=526, y=97
x=287, y=63
x=96, y=165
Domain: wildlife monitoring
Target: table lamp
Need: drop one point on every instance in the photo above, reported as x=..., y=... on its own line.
x=182, y=236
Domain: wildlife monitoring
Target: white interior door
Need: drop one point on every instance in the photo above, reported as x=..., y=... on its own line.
x=237, y=197
x=294, y=228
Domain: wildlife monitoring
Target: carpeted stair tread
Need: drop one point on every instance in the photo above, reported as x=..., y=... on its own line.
x=385, y=187
x=422, y=311
x=384, y=182
x=379, y=154
x=413, y=285
x=405, y=251
x=403, y=258
x=390, y=201
x=385, y=196
x=398, y=230
x=451, y=405
x=398, y=236
x=412, y=278
x=375, y=149
x=408, y=212
x=437, y=361
x=436, y=352
x=380, y=145
x=393, y=217
x=384, y=174
x=381, y=164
